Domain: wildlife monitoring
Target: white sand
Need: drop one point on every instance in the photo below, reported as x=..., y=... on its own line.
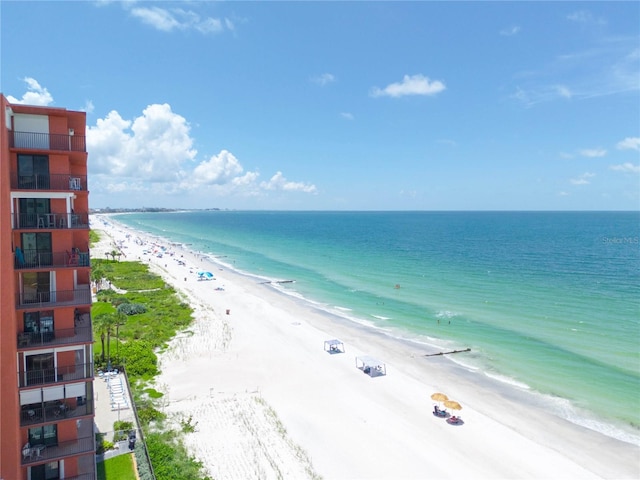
x=269, y=402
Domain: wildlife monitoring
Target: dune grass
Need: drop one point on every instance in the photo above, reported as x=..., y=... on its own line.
x=133, y=341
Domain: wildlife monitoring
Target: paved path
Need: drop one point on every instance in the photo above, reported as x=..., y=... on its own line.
x=106, y=415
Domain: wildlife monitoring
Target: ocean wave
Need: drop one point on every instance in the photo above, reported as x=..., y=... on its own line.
x=567, y=410
x=380, y=317
x=508, y=380
x=343, y=309
x=446, y=314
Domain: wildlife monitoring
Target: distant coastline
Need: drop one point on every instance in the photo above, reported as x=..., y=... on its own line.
x=108, y=210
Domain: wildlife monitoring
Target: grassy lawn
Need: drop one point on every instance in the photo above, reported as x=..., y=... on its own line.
x=117, y=468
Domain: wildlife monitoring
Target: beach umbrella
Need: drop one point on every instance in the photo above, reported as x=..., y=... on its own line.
x=453, y=405
x=439, y=397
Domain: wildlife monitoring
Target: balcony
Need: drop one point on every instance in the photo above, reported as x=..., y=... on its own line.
x=56, y=298
x=40, y=376
x=59, y=182
x=34, y=259
x=47, y=141
x=50, y=220
x=37, y=414
x=85, y=476
x=61, y=336
x=62, y=449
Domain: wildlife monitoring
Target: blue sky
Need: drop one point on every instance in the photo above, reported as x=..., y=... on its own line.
x=341, y=105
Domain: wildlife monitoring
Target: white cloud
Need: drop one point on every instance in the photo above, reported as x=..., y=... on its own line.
x=610, y=66
x=35, y=95
x=593, y=152
x=582, y=179
x=563, y=91
x=507, y=32
x=323, y=79
x=626, y=167
x=218, y=170
x=167, y=20
x=152, y=147
x=153, y=155
x=88, y=107
x=347, y=115
x=585, y=17
x=410, y=85
x=629, y=143
x=278, y=182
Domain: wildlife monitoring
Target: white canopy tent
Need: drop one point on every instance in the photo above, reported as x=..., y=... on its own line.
x=371, y=366
x=334, y=346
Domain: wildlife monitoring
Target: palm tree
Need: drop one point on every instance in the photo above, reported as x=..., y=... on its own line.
x=104, y=324
x=99, y=326
x=120, y=321
x=97, y=273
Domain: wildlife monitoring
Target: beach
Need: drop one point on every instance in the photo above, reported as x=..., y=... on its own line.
x=269, y=401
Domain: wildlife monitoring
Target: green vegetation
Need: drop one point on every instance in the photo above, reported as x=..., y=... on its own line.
x=168, y=456
x=117, y=468
x=131, y=325
x=121, y=430
x=94, y=237
x=188, y=425
x=102, y=445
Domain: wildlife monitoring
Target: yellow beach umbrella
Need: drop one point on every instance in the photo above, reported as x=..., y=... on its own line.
x=453, y=405
x=439, y=397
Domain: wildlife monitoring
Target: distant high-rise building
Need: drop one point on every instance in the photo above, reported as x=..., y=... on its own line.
x=46, y=344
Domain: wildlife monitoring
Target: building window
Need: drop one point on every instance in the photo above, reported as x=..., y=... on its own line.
x=47, y=471
x=33, y=211
x=40, y=369
x=33, y=171
x=36, y=287
x=39, y=325
x=45, y=435
x=36, y=249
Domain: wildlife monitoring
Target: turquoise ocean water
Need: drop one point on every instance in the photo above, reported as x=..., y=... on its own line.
x=549, y=302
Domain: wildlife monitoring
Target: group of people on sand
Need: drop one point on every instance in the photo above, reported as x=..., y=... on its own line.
x=444, y=414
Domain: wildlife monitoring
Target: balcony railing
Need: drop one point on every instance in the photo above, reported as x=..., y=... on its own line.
x=79, y=296
x=47, y=141
x=36, y=414
x=61, y=336
x=40, y=376
x=86, y=476
x=25, y=259
x=52, y=181
x=39, y=454
x=51, y=220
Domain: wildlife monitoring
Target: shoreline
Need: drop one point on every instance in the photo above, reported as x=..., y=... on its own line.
x=266, y=357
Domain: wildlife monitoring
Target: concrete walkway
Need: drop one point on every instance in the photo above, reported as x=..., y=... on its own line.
x=107, y=413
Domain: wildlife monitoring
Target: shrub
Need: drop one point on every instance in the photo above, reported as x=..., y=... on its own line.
x=121, y=430
x=141, y=361
x=131, y=308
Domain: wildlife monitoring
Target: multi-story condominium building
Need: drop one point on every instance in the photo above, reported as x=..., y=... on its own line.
x=46, y=358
